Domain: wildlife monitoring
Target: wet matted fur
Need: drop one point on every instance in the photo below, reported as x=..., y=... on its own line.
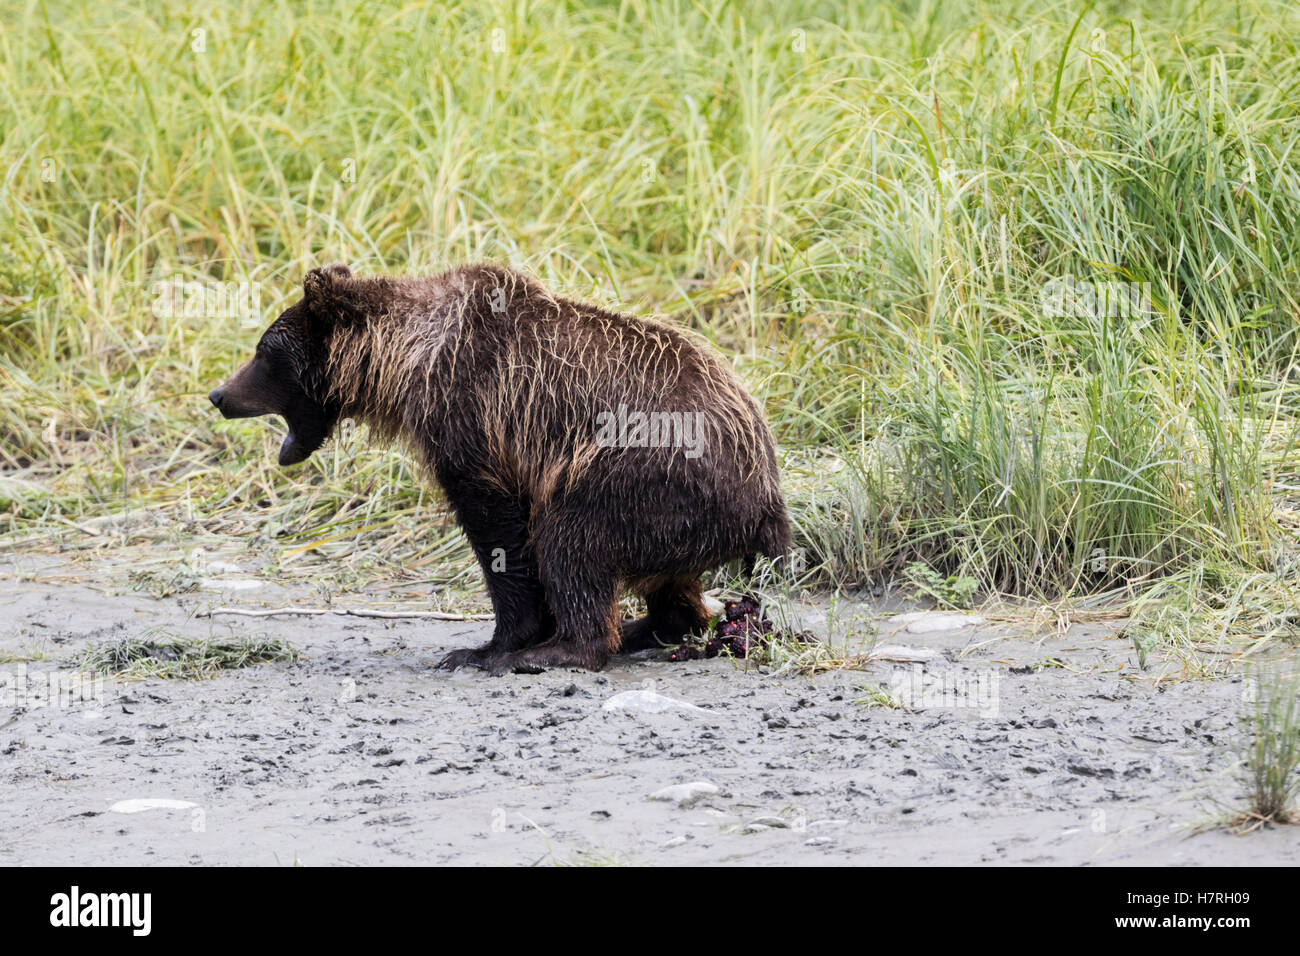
x=506, y=393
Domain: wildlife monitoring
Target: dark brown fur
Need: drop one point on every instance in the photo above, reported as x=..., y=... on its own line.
x=496, y=385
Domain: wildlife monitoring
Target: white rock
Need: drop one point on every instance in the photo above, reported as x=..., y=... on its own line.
x=827, y=824
x=234, y=584
x=930, y=623
x=685, y=794
x=150, y=803
x=648, y=702
x=900, y=619
x=818, y=841
x=897, y=652
x=772, y=823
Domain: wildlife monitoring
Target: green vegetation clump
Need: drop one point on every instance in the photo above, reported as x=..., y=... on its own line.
x=171, y=657
x=1017, y=285
x=1271, y=752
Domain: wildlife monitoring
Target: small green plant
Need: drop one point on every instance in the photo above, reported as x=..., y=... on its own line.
x=875, y=695
x=1271, y=752
x=161, y=655
x=956, y=591
x=1143, y=644
x=31, y=651
x=162, y=585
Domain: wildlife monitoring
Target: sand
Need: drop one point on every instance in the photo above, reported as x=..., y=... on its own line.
x=1021, y=745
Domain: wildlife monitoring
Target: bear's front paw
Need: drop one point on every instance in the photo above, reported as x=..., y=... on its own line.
x=484, y=658
x=534, y=660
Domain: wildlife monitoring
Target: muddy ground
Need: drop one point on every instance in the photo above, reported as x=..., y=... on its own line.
x=1021, y=744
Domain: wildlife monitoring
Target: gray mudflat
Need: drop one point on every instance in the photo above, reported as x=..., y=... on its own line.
x=361, y=753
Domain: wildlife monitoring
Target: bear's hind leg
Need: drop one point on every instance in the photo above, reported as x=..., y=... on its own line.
x=673, y=610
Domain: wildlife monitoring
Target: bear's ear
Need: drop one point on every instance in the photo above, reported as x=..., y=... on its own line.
x=328, y=292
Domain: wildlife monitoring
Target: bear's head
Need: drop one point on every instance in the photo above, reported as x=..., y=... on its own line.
x=287, y=375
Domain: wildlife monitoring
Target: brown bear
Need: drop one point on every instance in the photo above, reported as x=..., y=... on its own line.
x=581, y=450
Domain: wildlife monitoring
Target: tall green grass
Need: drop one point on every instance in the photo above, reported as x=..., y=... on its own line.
x=1270, y=753
x=861, y=204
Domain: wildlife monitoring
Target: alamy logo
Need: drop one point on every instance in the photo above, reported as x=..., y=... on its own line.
x=102, y=909
x=624, y=429
x=917, y=689
x=175, y=298
x=56, y=689
x=1071, y=297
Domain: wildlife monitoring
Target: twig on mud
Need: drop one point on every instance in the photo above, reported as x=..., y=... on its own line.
x=351, y=612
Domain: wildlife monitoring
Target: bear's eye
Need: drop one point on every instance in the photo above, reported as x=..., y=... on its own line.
x=267, y=348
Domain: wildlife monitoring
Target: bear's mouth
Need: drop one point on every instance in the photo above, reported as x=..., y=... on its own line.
x=302, y=440
x=292, y=449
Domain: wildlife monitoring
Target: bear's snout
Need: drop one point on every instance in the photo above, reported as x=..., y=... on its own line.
x=246, y=394
x=224, y=403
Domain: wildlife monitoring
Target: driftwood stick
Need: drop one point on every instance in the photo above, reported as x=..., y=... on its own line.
x=348, y=612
